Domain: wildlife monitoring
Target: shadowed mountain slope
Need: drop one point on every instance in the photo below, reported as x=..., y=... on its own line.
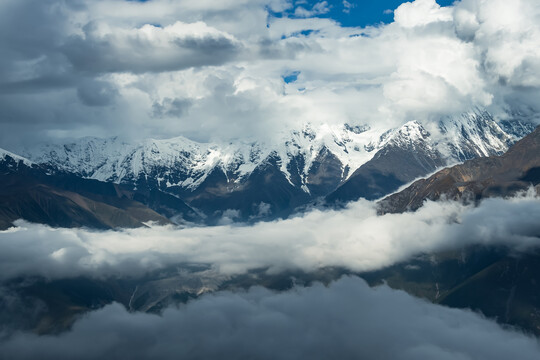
x=504, y=175
x=37, y=194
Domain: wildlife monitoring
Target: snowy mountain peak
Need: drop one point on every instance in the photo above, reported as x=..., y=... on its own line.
x=184, y=164
x=473, y=134
x=409, y=134
x=6, y=155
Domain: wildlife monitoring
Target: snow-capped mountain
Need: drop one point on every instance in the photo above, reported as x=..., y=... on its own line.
x=254, y=179
x=477, y=134
x=517, y=170
x=39, y=194
x=7, y=156
x=412, y=151
x=182, y=163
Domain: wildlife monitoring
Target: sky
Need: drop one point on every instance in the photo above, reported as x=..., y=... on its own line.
x=359, y=13
x=240, y=69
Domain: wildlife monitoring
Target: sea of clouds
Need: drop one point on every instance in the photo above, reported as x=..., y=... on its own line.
x=346, y=319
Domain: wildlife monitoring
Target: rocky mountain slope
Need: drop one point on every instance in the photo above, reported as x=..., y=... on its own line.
x=37, y=194
x=492, y=280
x=504, y=175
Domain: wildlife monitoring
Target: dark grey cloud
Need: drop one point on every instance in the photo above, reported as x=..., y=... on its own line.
x=54, y=54
x=171, y=107
x=37, y=33
x=47, y=36
x=18, y=313
x=346, y=320
x=37, y=85
x=148, y=49
x=30, y=36
x=288, y=49
x=97, y=93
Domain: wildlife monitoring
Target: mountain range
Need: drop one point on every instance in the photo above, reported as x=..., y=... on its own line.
x=180, y=180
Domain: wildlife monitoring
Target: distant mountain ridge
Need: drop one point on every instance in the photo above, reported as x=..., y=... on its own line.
x=39, y=194
x=251, y=181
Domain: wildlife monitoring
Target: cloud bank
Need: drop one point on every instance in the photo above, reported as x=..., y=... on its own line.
x=347, y=320
x=103, y=67
x=356, y=239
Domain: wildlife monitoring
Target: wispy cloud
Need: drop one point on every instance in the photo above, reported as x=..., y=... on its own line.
x=347, y=6
x=318, y=8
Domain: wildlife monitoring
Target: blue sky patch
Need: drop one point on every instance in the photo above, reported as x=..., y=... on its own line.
x=291, y=77
x=357, y=13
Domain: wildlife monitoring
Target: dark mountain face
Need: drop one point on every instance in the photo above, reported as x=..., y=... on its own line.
x=325, y=175
x=266, y=194
x=59, y=199
x=47, y=195
x=504, y=175
x=501, y=285
x=51, y=306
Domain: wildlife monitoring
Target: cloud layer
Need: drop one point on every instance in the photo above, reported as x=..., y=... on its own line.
x=104, y=67
x=356, y=239
x=347, y=320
